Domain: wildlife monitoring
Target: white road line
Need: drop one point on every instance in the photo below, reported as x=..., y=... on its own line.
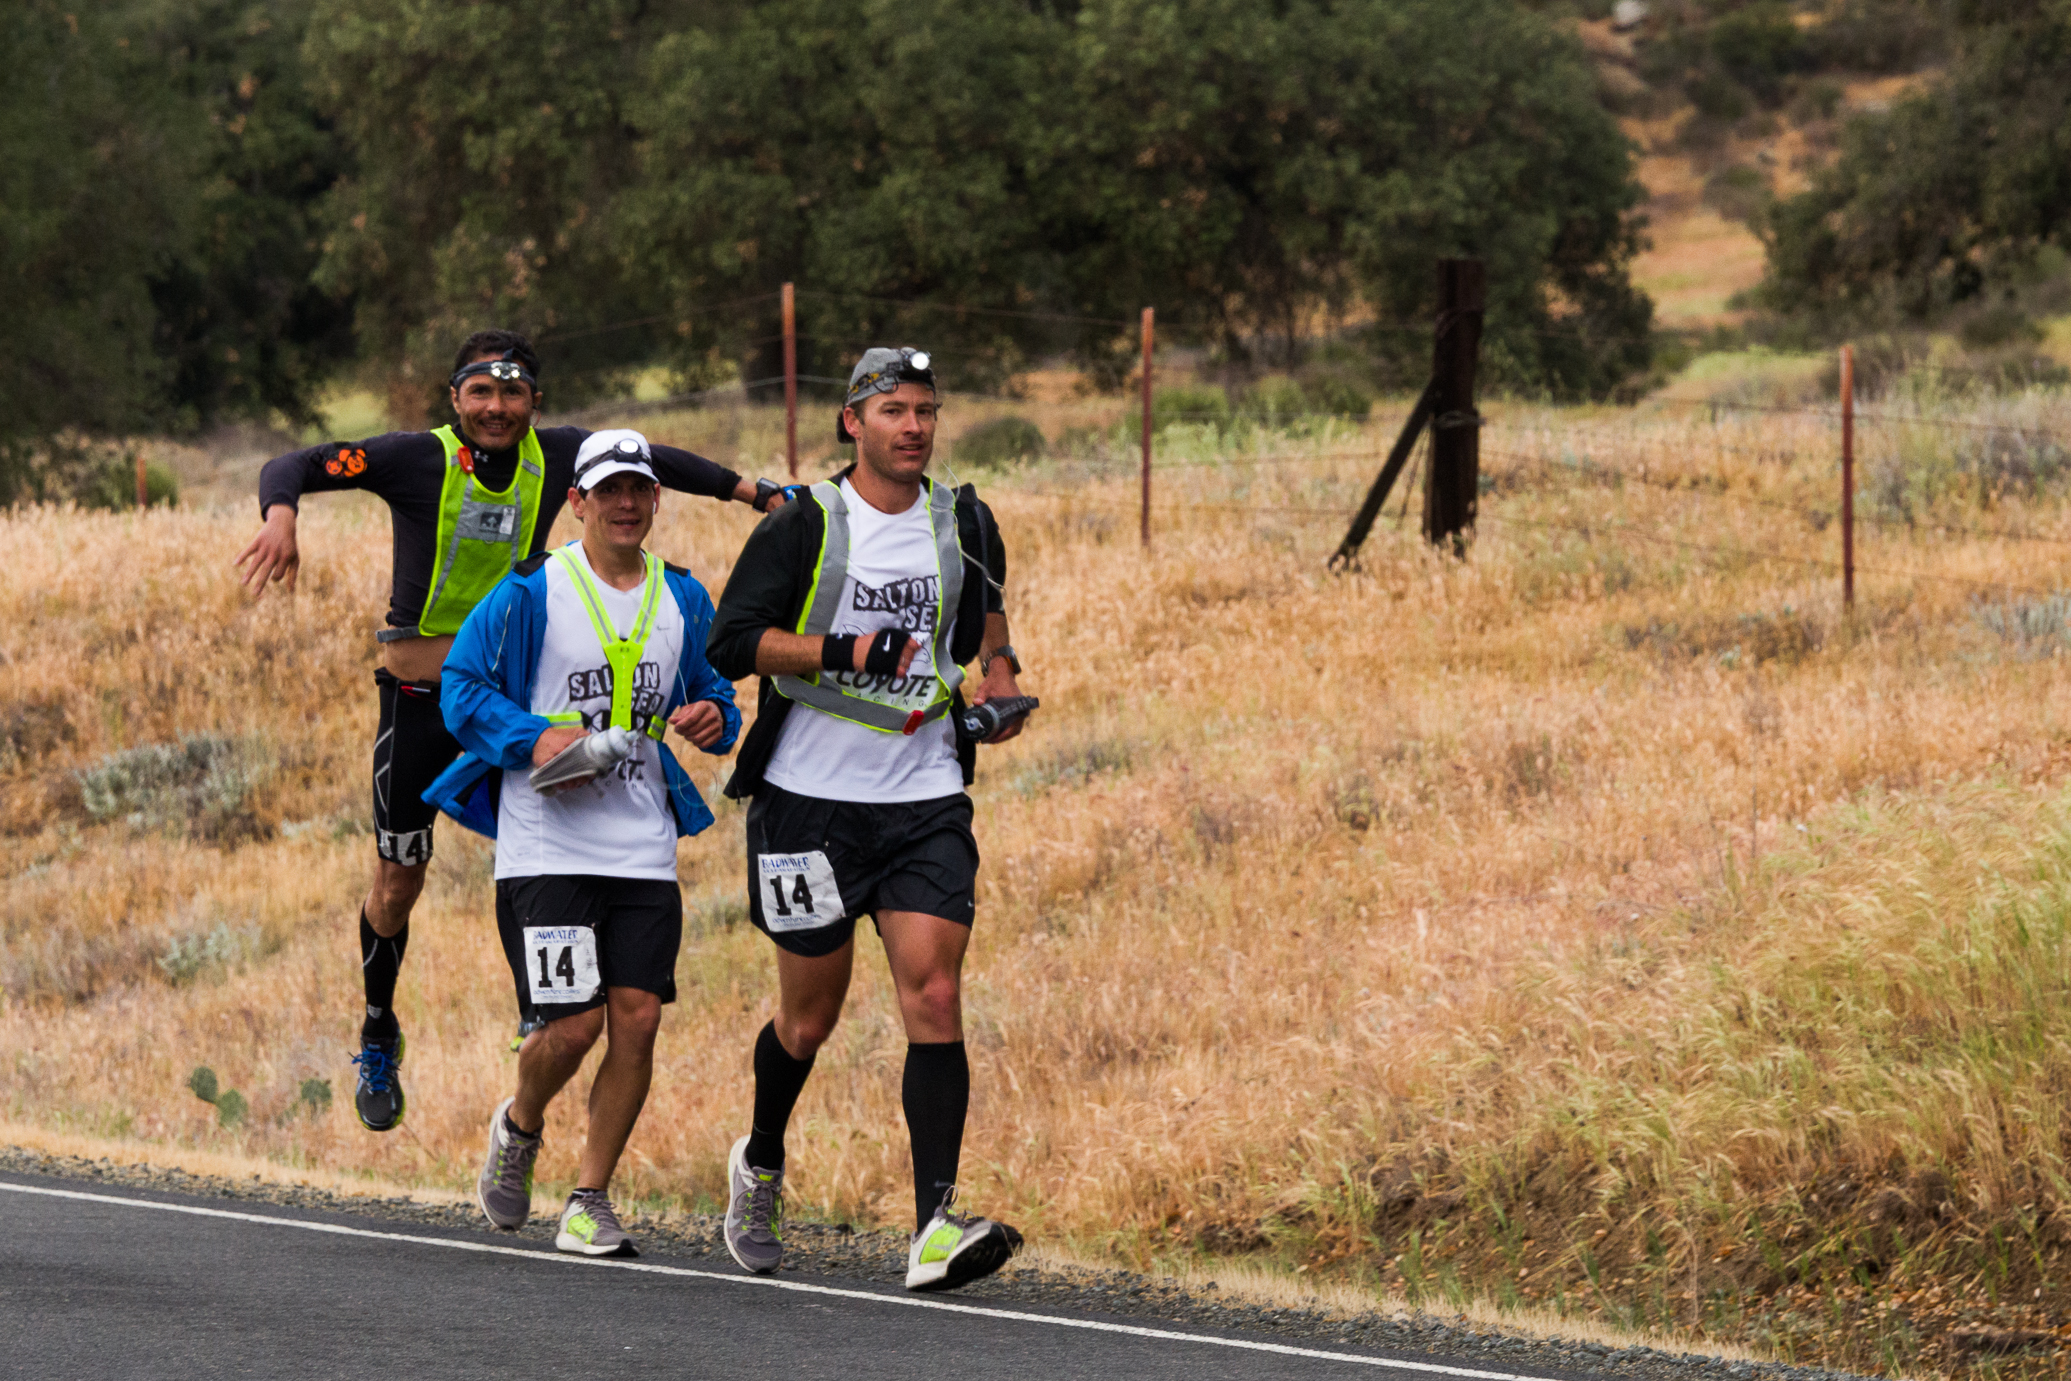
x=767, y=1282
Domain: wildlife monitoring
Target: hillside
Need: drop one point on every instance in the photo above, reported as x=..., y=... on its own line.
x=1611, y=927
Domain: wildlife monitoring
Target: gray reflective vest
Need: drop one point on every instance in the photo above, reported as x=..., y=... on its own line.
x=893, y=704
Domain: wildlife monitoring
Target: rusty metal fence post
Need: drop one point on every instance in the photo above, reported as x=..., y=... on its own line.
x=1149, y=327
x=790, y=382
x=1848, y=476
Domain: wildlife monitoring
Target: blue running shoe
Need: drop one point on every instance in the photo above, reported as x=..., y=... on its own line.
x=378, y=1097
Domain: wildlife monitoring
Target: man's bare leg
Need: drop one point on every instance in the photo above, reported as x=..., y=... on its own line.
x=393, y=895
x=620, y=1089
x=550, y=1057
x=810, y=992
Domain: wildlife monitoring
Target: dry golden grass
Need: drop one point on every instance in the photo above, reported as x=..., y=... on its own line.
x=1608, y=927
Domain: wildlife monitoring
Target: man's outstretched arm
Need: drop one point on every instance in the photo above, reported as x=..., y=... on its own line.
x=377, y=465
x=690, y=473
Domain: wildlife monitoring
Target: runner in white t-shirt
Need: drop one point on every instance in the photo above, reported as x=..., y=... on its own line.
x=598, y=636
x=858, y=607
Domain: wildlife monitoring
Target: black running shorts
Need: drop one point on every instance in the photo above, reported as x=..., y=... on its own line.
x=411, y=748
x=814, y=866
x=570, y=937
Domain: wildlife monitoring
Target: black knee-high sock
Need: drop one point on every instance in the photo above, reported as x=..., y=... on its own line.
x=778, y=1081
x=937, y=1094
x=381, y=958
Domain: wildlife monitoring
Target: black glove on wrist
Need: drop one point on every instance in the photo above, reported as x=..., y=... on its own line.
x=838, y=654
x=883, y=657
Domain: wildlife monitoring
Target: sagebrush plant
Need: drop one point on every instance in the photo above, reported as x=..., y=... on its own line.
x=1610, y=923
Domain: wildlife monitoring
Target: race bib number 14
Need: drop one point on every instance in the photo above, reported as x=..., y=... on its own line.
x=797, y=891
x=561, y=961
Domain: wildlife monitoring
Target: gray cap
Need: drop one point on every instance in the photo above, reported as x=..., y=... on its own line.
x=881, y=370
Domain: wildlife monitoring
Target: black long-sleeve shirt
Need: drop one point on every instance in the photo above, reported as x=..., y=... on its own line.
x=768, y=590
x=408, y=471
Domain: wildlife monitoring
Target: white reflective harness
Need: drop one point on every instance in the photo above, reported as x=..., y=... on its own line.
x=622, y=655
x=839, y=693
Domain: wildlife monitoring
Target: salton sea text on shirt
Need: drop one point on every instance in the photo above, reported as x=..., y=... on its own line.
x=913, y=601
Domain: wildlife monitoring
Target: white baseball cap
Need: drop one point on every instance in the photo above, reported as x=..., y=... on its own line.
x=621, y=450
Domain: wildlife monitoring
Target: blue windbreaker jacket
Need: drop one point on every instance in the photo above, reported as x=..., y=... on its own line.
x=488, y=679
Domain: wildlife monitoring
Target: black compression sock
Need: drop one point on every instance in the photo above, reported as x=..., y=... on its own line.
x=381, y=959
x=937, y=1093
x=778, y=1081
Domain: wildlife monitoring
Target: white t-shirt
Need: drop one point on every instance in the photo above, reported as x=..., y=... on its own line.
x=618, y=825
x=892, y=583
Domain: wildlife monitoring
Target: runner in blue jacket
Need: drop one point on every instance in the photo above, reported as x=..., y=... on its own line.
x=596, y=650
x=490, y=672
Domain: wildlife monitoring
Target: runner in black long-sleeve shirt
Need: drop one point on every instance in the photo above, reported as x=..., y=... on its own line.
x=466, y=504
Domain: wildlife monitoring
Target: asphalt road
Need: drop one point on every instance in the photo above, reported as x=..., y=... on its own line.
x=100, y=1283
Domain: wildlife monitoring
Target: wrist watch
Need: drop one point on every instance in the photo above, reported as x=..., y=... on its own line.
x=765, y=490
x=1003, y=650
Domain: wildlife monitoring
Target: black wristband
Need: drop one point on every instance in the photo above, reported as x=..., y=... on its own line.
x=883, y=657
x=838, y=654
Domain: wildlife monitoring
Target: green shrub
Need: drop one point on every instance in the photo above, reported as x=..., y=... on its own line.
x=2034, y=627
x=202, y=784
x=114, y=486
x=1203, y=405
x=90, y=474
x=188, y=956
x=1002, y=441
x=1338, y=396
x=1739, y=193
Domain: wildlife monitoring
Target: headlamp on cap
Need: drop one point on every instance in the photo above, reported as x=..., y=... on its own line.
x=604, y=454
x=505, y=370
x=882, y=370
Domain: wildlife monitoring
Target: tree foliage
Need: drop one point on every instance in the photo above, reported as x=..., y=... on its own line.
x=1249, y=169
x=1950, y=188
x=162, y=167
x=89, y=197
x=490, y=141
x=873, y=152
x=210, y=205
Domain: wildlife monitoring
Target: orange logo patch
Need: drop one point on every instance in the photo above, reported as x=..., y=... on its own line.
x=348, y=462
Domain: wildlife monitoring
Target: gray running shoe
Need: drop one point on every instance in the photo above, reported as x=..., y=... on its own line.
x=589, y=1225
x=957, y=1248
x=377, y=1096
x=504, y=1188
x=754, y=1213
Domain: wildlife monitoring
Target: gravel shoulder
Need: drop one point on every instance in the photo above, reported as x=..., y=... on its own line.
x=880, y=1257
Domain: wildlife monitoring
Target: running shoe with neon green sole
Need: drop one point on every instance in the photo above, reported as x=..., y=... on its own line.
x=590, y=1227
x=955, y=1249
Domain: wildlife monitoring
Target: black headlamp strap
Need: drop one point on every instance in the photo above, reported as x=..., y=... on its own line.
x=506, y=367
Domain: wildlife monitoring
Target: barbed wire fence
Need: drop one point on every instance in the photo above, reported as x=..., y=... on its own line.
x=1521, y=448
